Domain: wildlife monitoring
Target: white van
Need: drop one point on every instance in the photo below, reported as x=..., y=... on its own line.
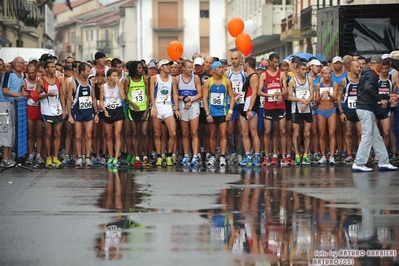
x=9, y=53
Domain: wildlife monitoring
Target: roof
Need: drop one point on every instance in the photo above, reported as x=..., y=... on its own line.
x=129, y=4
x=105, y=18
x=66, y=23
x=62, y=7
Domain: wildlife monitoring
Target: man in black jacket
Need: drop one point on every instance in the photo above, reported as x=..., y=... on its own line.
x=367, y=98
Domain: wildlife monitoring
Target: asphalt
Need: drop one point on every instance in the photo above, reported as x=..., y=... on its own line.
x=175, y=216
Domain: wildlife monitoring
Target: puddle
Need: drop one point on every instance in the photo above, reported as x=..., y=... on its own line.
x=290, y=216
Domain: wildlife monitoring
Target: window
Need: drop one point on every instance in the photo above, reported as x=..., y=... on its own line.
x=91, y=35
x=167, y=19
x=87, y=35
x=204, y=45
x=98, y=34
x=204, y=9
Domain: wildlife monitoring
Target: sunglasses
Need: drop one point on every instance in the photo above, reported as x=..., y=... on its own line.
x=100, y=75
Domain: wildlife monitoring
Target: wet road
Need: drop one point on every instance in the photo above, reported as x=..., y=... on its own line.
x=169, y=216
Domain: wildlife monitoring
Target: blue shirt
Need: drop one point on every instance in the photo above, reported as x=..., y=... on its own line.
x=14, y=84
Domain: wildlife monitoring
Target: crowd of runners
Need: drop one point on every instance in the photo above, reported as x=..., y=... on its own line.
x=202, y=111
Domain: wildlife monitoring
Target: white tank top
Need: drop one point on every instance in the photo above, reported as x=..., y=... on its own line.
x=31, y=86
x=51, y=106
x=112, y=97
x=301, y=91
x=163, y=91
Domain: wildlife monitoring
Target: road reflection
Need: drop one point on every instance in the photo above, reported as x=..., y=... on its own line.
x=263, y=215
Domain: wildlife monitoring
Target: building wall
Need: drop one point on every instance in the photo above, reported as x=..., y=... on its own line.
x=217, y=31
x=146, y=42
x=192, y=24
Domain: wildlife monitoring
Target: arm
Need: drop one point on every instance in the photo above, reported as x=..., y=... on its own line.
x=261, y=82
x=205, y=95
x=283, y=80
x=121, y=91
x=333, y=97
x=199, y=90
x=291, y=86
x=71, y=89
x=102, y=106
x=311, y=96
x=175, y=97
x=153, y=80
x=230, y=91
x=254, y=83
x=6, y=90
x=62, y=96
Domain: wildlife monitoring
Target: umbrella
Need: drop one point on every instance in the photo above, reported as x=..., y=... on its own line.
x=3, y=40
x=302, y=55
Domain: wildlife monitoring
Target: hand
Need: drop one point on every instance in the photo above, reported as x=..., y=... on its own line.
x=384, y=104
x=63, y=114
x=106, y=113
x=343, y=117
x=279, y=99
x=70, y=120
x=177, y=113
x=187, y=105
x=145, y=115
x=154, y=111
x=209, y=119
x=96, y=119
x=303, y=108
x=136, y=108
x=51, y=94
x=249, y=114
x=228, y=117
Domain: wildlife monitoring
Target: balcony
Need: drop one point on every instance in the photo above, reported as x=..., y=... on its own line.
x=104, y=46
x=290, y=29
x=174, y=25
x=14, y=12
x=309, y=22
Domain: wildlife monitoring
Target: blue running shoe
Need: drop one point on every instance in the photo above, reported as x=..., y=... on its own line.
x=246, y=161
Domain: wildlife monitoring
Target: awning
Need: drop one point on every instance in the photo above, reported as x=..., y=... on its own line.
x=4, y=40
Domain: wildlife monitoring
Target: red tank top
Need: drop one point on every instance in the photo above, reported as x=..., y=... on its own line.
x=272, y=85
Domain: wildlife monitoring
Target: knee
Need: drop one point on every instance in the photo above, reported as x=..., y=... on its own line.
x=306, y=135
x=223, y=135
x=144, y=133
x=134, y=133
x=283, y=133
x=88, y=135
x=157, y=134
x=212, y=135
x=267, y=132
x=172, y=134
x=57, y=135
x=194, y=134
x=184, y=134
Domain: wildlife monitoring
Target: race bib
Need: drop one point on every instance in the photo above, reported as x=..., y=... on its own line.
x=138, y=96
x=262, y=101
x=304, y=94
x=85, y=102
x=112, y=103
x=328, y=89
x=56, y=109
x=241, y=98
x=352, y=102
x=272, y=91
x=163, y=98
x=201, y=104
x=217, y=99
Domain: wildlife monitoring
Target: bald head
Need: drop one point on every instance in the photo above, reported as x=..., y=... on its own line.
x=346, y=61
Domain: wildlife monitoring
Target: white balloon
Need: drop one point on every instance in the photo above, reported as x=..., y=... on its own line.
x=190, y=48
x=250, y=28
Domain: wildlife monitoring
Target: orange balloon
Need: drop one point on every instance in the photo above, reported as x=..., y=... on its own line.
x=249, y=51
x=243, y=42
x=175, y=50
x=235, y=26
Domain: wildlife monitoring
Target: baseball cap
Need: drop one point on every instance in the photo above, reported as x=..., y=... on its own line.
x=99, y=55
x=315, y=62
x=198, y=61
x=109, y=59
x=376, y=59
x=216, y=64
x=151, y=64
x=223, y=61
x=164, y=62
x=260, y=66
x=336, y=59
x=68, y=67
x=385, y=56
x=100, y=72
x=46, y=57
x=33, y=58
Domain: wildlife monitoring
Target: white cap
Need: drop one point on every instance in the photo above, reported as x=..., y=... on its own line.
x=164, y=62
x=315, y=62
x=34, y=58
x=198, y=61
x=385, y=56
x=336, y=59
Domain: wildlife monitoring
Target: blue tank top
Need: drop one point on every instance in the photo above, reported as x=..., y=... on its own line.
x=217, y=97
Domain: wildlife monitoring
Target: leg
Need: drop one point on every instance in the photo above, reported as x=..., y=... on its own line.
x=194, y=123
x=88, y=125
x=321, y=124
x=57, y=138
x=156, y=125
x=78, y=138
x=171, y=126
x=185, y=127
x=386, y=128
x=118, y=137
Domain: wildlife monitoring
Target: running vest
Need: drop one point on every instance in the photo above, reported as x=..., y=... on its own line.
x=30, y=87
x=112, y=97
x=94, y=70
x=248, y=91
x=51, y=106
x=350, y=96
x=272, y=85
x=339, y=78
x=163, y=90
x=217, y=97
x=237, y=81
x=137, y=93
x=300, y=91
x=385, y=87
x=82, y=98
x=187, y=89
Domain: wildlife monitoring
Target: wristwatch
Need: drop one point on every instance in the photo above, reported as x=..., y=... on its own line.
x=207, y=114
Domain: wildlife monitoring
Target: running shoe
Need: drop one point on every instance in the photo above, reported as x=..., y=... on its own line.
x=348, y=160
x=332, y=160
x=66, y=160
x=56, y=162
x=232, y=159
x=159, y=161
x=185, y=161
x=211, y=161
x=256, y=160
x=169, y=161
x=246, y=161
x=103, y=161
x=49, y=162
x=115, y=162
x=387, y=167
x=274, y=161
x=297, y=160
x=174, y=160
x=358, y=168
x=39, y=159
x=9, y=163
x=79, y=163
x=290, y=160
x=239, y=158
x=110, y=161
x=322, y=161
x=129, y=159
x=266, y=161
x=146, y=163
x=88, y=162
x=222, y=161
x=306, y=160
x=137, y=163
x=194, y=161
x=394, y=158
x=30, y=159
x=283, y=161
